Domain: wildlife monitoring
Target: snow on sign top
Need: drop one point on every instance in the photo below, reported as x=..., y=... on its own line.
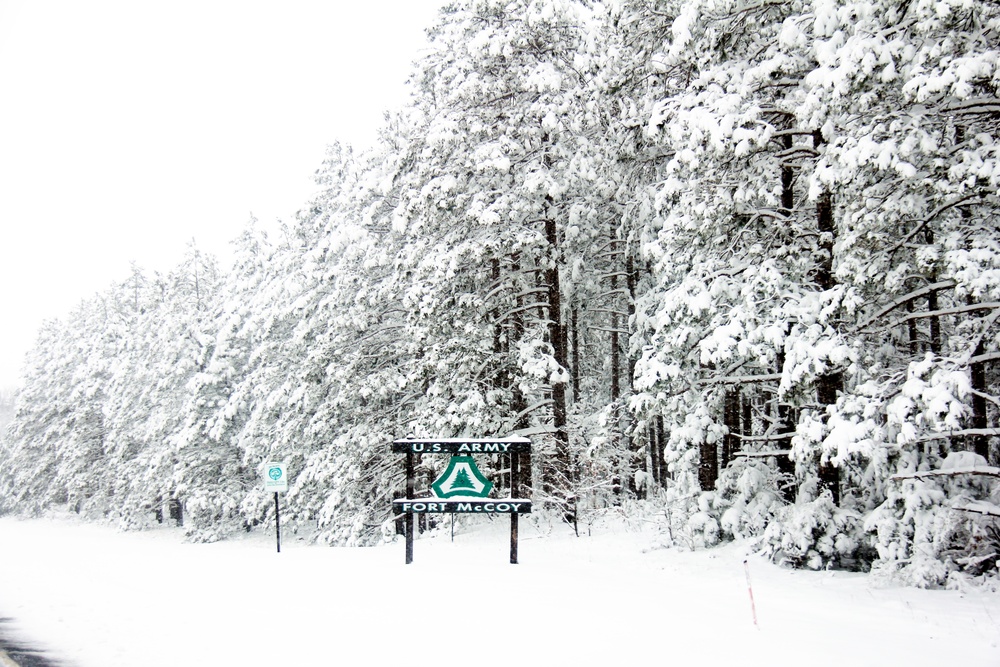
x=511, y=445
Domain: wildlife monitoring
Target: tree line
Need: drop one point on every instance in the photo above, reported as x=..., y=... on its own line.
x=737, y=260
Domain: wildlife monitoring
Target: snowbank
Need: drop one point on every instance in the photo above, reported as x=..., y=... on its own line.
x=100, y=598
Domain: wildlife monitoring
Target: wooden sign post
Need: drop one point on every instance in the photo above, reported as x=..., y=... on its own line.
x=461, y=489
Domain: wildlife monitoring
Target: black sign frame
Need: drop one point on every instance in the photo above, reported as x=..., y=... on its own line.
x=410, y=505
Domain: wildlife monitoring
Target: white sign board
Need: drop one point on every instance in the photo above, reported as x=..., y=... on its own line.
x=275, y=478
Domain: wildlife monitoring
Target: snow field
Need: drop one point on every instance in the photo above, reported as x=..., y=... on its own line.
x=100, y=598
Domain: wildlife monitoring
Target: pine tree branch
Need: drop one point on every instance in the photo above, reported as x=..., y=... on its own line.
x=986, y=471
x=981, y=358
x=764, y=438
x=986, y=509
x=906, y=298
x=958, y=434
x=519, y=309
x=974, y=106
x=740, y=379
x=960, y=201
x=957, y=310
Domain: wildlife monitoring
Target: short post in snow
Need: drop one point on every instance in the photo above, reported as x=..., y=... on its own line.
x=753, y=607
x=276, y=479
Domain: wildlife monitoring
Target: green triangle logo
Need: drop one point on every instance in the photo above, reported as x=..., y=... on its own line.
x=462, y=478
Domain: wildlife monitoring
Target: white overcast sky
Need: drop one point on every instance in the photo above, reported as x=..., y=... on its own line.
x=129, y=127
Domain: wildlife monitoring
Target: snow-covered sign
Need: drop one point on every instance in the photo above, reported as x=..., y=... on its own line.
x=431, y=506
x=462, y=488
x=511, y=445
x=275, y=478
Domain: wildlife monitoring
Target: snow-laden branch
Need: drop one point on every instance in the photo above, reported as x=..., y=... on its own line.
x=535, y=430
x=957, y=434
x=906, y=298
x=528, y=410
x=742, y=10
x=981, y=358
x=741, y=379
x=528, y=292
x=764, y=438
x=986, y=471
x=960, y=201
x=771, y=213
x=614, y=274
x=987, y=323
x=790, y=156
x=957, y=310
x=609, y=311
x=614, y=292
x=974, y=106
x=980, y=507
x=519, y=309
x=789, y=133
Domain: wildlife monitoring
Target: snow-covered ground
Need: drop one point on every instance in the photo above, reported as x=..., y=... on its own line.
x=99, y=598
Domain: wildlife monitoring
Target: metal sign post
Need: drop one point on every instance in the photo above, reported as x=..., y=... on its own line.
x=276, y=479
x=277, y=522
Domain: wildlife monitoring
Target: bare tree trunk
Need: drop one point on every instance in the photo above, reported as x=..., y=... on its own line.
x=558, y=477
x=661, y=443
x=911, y=332
x=518, y=401
x=786, y=467
x=787, y=181
x=654, y=454
x=574, y=324
x=785, y=424
x=615, y=324
x=932, y=302
x=980, y=444
x=708, y=466
x=731, y=418
x=828, y=385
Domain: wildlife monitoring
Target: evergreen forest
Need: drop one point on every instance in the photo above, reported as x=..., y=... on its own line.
x=733, y=266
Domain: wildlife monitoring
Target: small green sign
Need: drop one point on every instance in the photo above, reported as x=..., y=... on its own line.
x=462, y=478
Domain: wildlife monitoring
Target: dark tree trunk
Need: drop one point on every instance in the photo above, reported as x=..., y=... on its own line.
x=830, y=384
x=932, y=303
x=826, y=394
x=980, y=444
x=731, y=418
x=782, y=412
x=787, y=181
x=558, y=477
x=708, y=466
x=661, y=443
x=746, y=425
x=654, y=454
x=575, y=338
x=498, y=326
x=615, y=348
x=176, y=511
x=911, y=332
x=785, y=424
x=518, y=401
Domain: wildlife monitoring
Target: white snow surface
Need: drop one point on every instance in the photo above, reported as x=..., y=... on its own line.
x=96, y=597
